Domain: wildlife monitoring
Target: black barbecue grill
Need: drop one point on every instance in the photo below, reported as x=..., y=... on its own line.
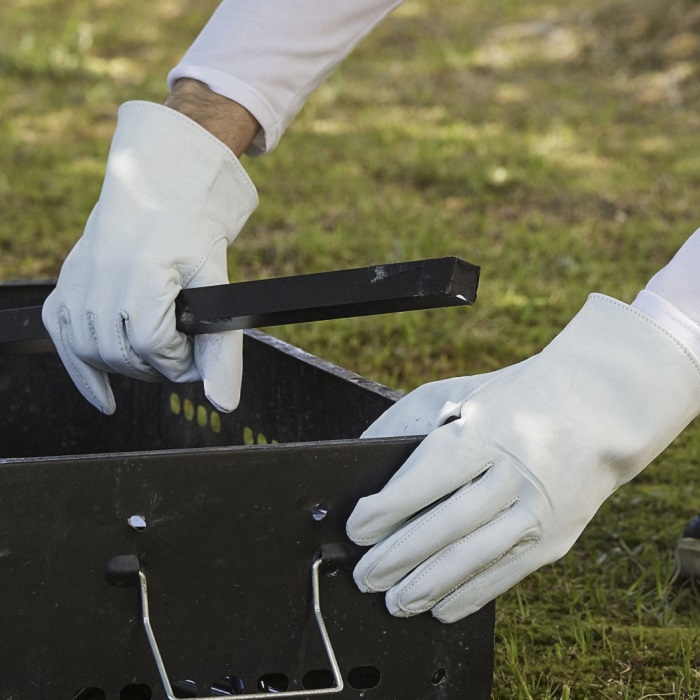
x=172, y=551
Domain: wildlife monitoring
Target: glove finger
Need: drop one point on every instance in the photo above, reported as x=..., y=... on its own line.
x=219, y=361
x=464, y=576
x=107, y=346
x=83, y=343
x=140, y=339
x=92, y=383
x=468, y=509
x=441, y=464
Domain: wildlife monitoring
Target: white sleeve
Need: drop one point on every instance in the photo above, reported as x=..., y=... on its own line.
x=270, y=55
x=672, y=296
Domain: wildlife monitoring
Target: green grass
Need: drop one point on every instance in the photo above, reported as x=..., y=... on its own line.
x=554, y=144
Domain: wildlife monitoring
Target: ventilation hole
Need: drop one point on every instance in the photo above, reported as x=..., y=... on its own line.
x=202, y=416
x=273, y=683
x=188, y=409
x=137, y=522
x=185, y=689
x=90, y=694
x=175, y=404
x=363, y=677
x=439, y=676
x=215, y=421
x=319, y=511
x=320, y=678
x=137, y=691
x=228, y=685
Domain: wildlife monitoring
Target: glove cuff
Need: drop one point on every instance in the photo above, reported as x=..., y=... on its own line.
x=644, y=376
x=169, y=154
x=670, y=318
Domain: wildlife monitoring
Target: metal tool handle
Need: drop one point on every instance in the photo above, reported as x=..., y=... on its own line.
x=365, y=291
x=125, y=570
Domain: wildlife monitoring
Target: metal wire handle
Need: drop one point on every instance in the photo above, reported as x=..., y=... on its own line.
x=315, y=591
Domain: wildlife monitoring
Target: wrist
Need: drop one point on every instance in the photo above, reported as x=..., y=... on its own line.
x=229, y=121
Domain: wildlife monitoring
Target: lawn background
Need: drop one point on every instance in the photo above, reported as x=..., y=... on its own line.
x=553, y=144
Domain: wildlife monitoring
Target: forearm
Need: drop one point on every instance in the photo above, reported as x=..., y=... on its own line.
x=230, y=122
x=270, y=56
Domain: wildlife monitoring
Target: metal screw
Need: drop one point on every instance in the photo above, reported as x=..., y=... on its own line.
x=137, y=522
x=319, y=512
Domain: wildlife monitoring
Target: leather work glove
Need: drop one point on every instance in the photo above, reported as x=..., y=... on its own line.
x=518, y=461
x=174, y=197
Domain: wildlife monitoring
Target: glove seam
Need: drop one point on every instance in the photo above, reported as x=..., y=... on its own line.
x=652, y=322
x=219, y=236
x=487, y=471
x=173, y=114
x=142, y=368
x=460, y=589
x=90, y=315
x=665, y=312
x=69, y=355
x=428, y=606
x=119, y=325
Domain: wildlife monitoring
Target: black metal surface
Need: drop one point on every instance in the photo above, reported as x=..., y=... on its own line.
x=231, y=527
x=287, y=396
x=364, y=291
x=22, y=330
x=231, y=534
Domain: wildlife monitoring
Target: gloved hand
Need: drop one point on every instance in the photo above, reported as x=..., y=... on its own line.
x=174, y=197
x=518, y=461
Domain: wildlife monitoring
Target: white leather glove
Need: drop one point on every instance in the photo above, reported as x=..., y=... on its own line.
x=174, y=197
x=531, y=453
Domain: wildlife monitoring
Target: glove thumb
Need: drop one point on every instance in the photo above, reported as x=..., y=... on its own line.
x=218, y=356
x=219, y=360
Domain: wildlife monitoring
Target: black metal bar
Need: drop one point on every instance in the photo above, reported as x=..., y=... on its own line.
x=341, y=294
x=366, y=291
x=22, y=330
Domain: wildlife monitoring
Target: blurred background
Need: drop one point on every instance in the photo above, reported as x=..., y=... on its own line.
x=556, y=145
